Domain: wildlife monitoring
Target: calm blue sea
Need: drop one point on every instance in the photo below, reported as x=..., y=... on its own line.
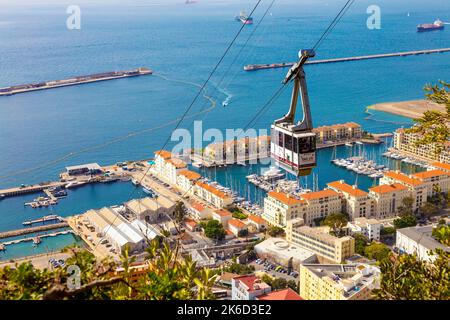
x=42, y=132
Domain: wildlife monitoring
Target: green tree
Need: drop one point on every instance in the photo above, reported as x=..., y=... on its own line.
x=433, y=125
x=387, y=231
x=361, y=242
x=180, y=211
x=406, y=277
x=405, y=221
x=337, y=222
x=275, y=231
x=241, y=269
x=213, y=229
x=406, y=209
x=442, y=234
x=377, y=251
x=428, y=209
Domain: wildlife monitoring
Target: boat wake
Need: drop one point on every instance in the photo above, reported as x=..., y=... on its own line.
x=371, y=117
x=227, y=94
x=129, y=135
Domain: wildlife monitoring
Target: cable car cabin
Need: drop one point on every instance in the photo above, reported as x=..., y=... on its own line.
x=295, y=152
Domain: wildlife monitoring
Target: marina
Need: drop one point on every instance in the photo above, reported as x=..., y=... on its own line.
x=254, y=67
x=36, y=240
x=7, y=91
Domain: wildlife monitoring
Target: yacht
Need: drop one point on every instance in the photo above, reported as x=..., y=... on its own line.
x=148, y=191
x=273, y=174
x=135, y=182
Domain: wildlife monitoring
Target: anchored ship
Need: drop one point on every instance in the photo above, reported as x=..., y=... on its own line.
x=437, y=25
x=244, y=18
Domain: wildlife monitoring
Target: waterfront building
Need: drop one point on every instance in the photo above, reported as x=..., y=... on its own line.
x=212, y=195
x=236, y=227
x=248, y=287
x=406, y=144
x=434, y=180
x=320, y=204
x=280, y=207
x=355, y=202
x=168, y=167
x=442, y=166
x=112, y=226
x=370, y=228
x=283, y=294
x=283, y=253
x=338, y=281
x=150, y=209
x=199, y=211
x=418, y=188
x=186, y=180
x=387, y=198
x=84, y=169
x=338, y=132
x=223, y=216
x=327, y=247
x=419, y=241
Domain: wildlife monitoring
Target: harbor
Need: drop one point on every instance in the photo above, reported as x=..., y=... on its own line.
x=254, y=67
x=16, y=89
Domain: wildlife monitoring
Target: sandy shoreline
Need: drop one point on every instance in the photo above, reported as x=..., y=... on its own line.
x=409, y=109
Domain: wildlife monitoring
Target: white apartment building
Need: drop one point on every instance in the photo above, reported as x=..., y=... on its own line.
x=387, y=198
x=419, y=241
x=248, y=288
x=356, y=202
x=168, y=167
x=186, y=180
x=370, y=228
x=433, y=179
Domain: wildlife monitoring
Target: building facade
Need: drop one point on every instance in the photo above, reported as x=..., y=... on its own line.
x=356, y=202
x=387, y=199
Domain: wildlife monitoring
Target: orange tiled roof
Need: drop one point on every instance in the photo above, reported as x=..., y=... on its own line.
x=444, y=166
x=256, y=219
x=164, y=154
x=285, y=294
x=386, y=188
x=213, y=190
x=346, y=188
x=285, y=198
x=236, y=223
x=191, y=175
x=179, y=164
x=223, y=212
x=198, y=206
x=430, y=174
x=403, y=178
x=319, y=194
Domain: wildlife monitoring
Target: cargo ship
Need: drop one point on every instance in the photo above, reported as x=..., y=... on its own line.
x=7, y=91
x=437, y=25
x=244, y=18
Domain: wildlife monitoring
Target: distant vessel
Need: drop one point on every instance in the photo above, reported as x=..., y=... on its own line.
x=273, y=174
x=190, y=2
x=437, y=25
x=244, y=18
x=36, y=240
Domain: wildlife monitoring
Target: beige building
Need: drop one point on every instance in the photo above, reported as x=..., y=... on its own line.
x=280, y=207
x=417, y=188
x=356, y=202
x=223, y=216
x=434, y=179
x=338, y=281
x=370, y=228
x=328, y=247
x=199, y=211
x=236, y=226
x=212, y=195
x=387, y=198
x=186, y=180
x=319, y=205
x=338, y=132
x=150, y=209
x=406, y=143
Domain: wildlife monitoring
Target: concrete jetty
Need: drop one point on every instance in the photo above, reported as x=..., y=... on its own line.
x=21, y=232
x=30, y=189
x=254, y=67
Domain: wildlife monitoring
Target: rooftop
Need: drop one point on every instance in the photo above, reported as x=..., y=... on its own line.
x=319, y=194
x=223, y=213
x=398, y=176
x=212, y=190
x=164, y=154
x=423, y=236
x=177, y=163
x=89, y=166
x=191, y=175
x=285, y=198
x=346, y=188
x=236, y=223
x=251, y=282
x=142, y=205
x=387, y=188
x=256, y=219
x=430, y=174
x=285, y=294
x=442, y=166
x=318, y=234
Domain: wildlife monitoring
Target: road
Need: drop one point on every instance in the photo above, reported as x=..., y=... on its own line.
x=38, y=261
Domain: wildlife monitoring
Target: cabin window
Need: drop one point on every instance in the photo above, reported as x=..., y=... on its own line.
x=288, y=142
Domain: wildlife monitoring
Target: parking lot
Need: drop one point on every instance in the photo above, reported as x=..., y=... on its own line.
x=274, y=270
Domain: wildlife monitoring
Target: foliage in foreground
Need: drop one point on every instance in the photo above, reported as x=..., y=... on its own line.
x=166, y=278
x=406, y=277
